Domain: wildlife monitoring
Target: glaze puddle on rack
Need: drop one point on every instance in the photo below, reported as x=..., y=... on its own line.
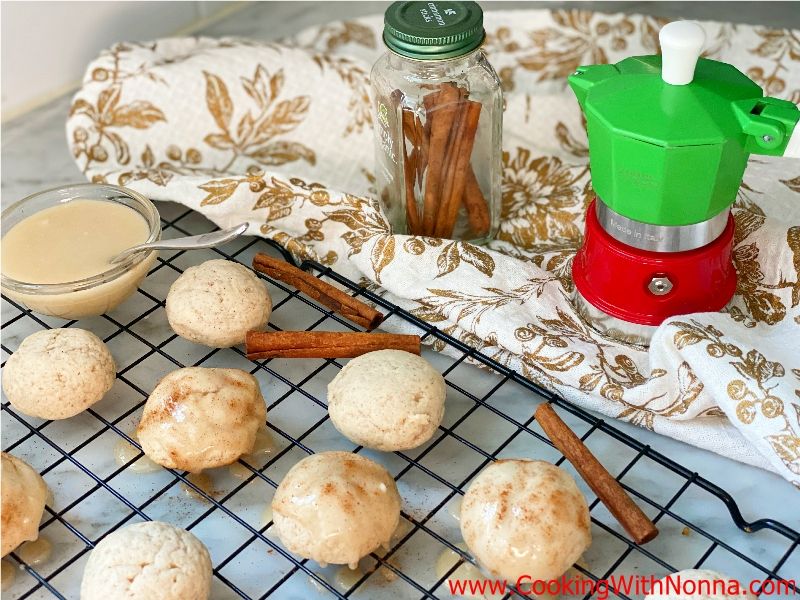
x=489, y=415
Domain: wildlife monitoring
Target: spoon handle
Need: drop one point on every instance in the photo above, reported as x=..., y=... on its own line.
x=205, y=240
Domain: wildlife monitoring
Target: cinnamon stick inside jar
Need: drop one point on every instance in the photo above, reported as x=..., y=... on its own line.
x=440, y=184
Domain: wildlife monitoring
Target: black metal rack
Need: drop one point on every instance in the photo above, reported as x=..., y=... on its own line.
x=107, y=489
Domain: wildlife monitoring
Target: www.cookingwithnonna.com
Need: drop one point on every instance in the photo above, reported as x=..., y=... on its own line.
x=626, y=584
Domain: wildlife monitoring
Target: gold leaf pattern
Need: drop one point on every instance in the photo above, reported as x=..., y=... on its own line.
x=569, y=143
x=106, y=114
x=286, y=115
x=453, y=254
x=254, y=135
x=218, y=191
x=357, y=78
x=762, y=304
x=578, y=37
x=218, y=100
x=351, y=32
x=139, y=114
x=793, y=184
x=382, y=255
x=776, y=44
x=541, y=200
x=755, y=366
x=336, y=35
x=282, y=152
x=787, y=447
x=449, y=259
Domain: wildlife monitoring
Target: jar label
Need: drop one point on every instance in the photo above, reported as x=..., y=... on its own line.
x=386, y=139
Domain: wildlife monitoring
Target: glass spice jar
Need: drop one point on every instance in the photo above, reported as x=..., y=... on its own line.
x=438, y=126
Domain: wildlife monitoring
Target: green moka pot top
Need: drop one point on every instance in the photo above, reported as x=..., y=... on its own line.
x=433, y=30
x=674, y=153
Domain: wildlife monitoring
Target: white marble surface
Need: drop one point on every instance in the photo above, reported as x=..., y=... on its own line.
x=35, y=156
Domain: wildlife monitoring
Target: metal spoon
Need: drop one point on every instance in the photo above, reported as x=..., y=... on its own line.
x=206, y=240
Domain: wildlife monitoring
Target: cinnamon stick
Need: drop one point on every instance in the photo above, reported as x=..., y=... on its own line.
x=451, y=163
x=410, y=169
x=324, y=344
x=429, y=101
x=475, y=205
x=607, y=489
x=448, y=211
x=452, y=171
x=323, y=292
x=443, y=110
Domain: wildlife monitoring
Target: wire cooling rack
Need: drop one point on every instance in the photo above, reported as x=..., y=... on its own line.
x=489, y=415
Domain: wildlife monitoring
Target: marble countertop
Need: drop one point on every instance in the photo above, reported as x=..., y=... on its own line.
x=35, y=157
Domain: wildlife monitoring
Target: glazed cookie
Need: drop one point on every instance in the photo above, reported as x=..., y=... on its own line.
x=58, y=373
x=525, y=517
x=23, y=498
x=387, y=400
x=699, y=584
x=216, y=303
x=336, y=507
x=148, y=561
x=198, y=418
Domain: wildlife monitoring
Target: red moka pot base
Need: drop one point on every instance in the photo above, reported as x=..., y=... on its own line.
x=614, y=277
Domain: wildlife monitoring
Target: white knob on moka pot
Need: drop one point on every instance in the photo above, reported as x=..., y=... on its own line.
x=681, y=45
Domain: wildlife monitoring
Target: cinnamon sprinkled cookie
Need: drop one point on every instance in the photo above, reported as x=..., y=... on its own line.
x=336, y=507
x=24, y=494
x=525, y=517
x=198, y=418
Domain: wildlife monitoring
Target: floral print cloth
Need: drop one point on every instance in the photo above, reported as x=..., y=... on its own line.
x=280, y=135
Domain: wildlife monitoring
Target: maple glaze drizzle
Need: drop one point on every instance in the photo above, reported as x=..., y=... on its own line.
x=36, y=552
x=263, y=446
x=203, y=481
x=124, y=452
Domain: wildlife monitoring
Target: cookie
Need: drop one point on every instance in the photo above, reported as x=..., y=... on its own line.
x=58, y=373
x=198, y=418
x=388, y=400
x=216, y=303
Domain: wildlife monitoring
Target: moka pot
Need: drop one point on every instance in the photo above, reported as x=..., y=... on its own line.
x=669, y=140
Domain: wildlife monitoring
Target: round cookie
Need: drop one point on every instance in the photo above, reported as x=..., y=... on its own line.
x=705, y=585
x=148, y=561
x=336, y=507
x=387, y=400
x=24, y=494
x=525, y=517
x=216, y=303
x=58, y=373
x=198, y=418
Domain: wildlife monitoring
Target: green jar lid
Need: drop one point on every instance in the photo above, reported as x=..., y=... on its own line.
x=433, y=30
